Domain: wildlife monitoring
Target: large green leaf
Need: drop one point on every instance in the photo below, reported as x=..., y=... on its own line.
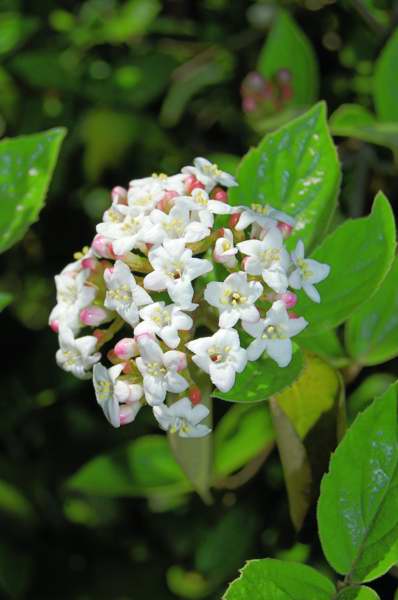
x=372, y=331
x=353, y=120
x=26, y=166
x=327, y=345
x=360, y=253
x=262, y=378
x=385, y=81
x=296, y=170
x=357, y=510
x=357, y=593
x=268, y=579
x=288, y=48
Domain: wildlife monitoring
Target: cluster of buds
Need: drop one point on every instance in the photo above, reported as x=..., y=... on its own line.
x=179, y=274
x=266, y=96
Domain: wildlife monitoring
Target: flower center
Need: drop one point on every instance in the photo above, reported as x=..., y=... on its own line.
x=156, y=369
x=175, y=227
x=122, y=294
x=68, y=295
x=71, y=357
x=201, y=198
x=270, y=256
x=261, y=209
x=131, y=225
x=160, y=176
x=104, y=389
x=273, y=332
x=305, y=269
x=233, y=298
x=212, y=170
x=114, y=216
x=161, y=317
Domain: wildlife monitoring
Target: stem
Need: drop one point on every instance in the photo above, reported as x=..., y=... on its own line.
x=351, y=372
x=137, y=263
x=247, y=472
x=107, y=334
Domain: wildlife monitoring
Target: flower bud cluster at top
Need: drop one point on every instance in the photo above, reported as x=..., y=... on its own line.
x=267, y=96
x=172, y=258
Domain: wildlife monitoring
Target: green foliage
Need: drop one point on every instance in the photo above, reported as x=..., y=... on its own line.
x=296, y=170
x=327, y=345
x=360, y=253
x=358, y=593
x=26, y=167
x=5, y=300
x=372, y=331
x=372, y=386
x=358, y=523
x=287, y=47
x=385, y=81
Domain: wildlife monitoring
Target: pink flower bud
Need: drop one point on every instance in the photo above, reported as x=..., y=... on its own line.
x=89, y=263
x=127, y=414
x=101, y=245
x=191, y=183
x=182, y=362
x=293, y=315
x=233, y=220
x=119, y=195
x=249, y=104
x=54, y=324
x=126, y=348
x=93, y=315
x=113, y=253
x=285, y=229
x=195, y=395
x=167, y=202
x=289, y=299
x=144, y=334
x=219, y=194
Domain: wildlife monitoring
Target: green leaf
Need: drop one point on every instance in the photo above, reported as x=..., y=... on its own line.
x=287, y=47
x=16, y=570
x=5, y=300
x=26, y=167
x=357, y=593
x=374, y=385
x=327, y=345
x=357, y=516
x=385, y=81
x=296, y=170
x=353, y=120
x=360, y=253
x=267, y=578
x=242, y=433
x=263, y=378
x=14, y=502
x=372, y=331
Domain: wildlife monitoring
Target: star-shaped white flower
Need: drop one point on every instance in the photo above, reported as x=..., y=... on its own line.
x=160, y=370
x=119, y=400
x=199, y=202
x=72, y=296
x=164, y=321
x=174, y=269
x=273, y=334
x=76, y=355
x=159, y=182
x=209, y=174
x=145, y=198
x=307, y=273
x=263, y=215
x=224, y=249
x=234, y=298
x=124, y=295
x=177, y=224
x=125, y=233
x=183, y=418
x=268, y=257
x=221, y=356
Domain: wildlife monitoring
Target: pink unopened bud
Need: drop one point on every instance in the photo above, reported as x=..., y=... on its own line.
x=93, y=315
x=54, y=324
x=127, y=414
x=191, y=183
x=195, y=395
x=289, y=299
x=113, y=253
x=233, y=220
x=126, y=348
x=101, y=245
x=285, y=229
x=119, y=195
x=139, y=337
x=219, y=194
x=249, y=104
x=89, y=263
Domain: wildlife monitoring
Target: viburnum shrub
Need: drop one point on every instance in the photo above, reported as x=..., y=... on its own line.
x=186, y=282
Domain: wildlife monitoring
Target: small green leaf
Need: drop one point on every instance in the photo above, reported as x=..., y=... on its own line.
x=14, y=502
x=357, y=593
x=26, y=167
x=357, y=516
x=296, y=170
x=372, y=331
x=287, y=47
x=360, y=253
x=5, y=300
x=242, y=433
x=262, y=378
x=267, y=578
x=352, y=120
x=385, y=81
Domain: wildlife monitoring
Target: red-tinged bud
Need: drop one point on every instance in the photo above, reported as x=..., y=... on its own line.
x=233, y=220
x=111, y=356
x=101, y=245
x=54, y=325
x=286, y=93
x=126, y=348
x=93, y=316
x=289, y=299
x=293, y=315
x=284, y=76
x=191, y=183
x=166, y=203
x=195, y=395
x=119, y=195
x=249, y=104
x=89, y=263
x=285, y=229
x=219, y=194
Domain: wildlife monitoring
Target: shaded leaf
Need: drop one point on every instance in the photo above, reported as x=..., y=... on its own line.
x=357, y=593
x=374, y=385
x=5, y=300
x=385, y=89
x=353, y=120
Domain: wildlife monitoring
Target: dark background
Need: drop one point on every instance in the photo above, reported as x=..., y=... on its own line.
x=137, y=100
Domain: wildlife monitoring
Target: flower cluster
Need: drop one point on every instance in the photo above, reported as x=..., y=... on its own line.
x=182, y=276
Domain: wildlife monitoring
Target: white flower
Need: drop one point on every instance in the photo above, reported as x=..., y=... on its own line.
x=175, y=225
x=159, y=370
x=125, y=230
x=119, y=400
x=273, y=334
x=307, y=273
x=164, y=321
x=145, y=198
x=78, y=355
x=269, y=258
x=221, y=356
x=200, y=202
x=263, y=215
x=159, y=182
x=124, y=295
x=183, y=418
x=234, y=298
x=209, y=174
x=72, y=296
x=174, y=269
x=224, y=249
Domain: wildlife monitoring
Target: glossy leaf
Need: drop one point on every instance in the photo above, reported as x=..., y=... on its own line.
x=360, y=253
x=372, y=331
x=357, y=516
x=26, y=167
x=262, y=378
x=385, y=81
x=267, y=578
x=372, y=386
x=5, y=300
x=287, y=47
x=327, y=345
x=357, y=593
x=353, y=120
x=294, y=169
